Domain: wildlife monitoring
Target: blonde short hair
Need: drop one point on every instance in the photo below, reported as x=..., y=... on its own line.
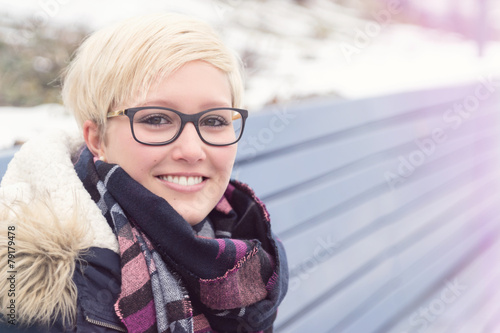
x=120, y=63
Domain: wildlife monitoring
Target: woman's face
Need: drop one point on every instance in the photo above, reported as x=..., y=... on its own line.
x=165, y=170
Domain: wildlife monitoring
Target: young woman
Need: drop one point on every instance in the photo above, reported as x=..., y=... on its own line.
x=138, y=227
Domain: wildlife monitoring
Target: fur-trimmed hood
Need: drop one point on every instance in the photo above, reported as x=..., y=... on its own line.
x=52, y=222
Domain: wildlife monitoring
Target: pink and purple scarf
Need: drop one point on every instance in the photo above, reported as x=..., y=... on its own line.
x=227, y=274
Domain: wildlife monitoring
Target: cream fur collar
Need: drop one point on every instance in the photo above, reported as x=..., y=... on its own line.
x=52, y=220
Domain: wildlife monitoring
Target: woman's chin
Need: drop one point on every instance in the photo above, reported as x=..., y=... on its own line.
x=191, y=215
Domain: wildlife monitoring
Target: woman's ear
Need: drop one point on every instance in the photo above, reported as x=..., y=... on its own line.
x=92, y=137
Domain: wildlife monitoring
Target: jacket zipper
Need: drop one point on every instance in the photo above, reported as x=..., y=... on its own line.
x=104, y=324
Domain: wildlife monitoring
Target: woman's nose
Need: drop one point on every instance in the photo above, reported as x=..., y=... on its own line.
x=189, y=146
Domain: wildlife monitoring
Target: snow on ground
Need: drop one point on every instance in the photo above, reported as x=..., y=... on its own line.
x=291, y=52
x=21, y=124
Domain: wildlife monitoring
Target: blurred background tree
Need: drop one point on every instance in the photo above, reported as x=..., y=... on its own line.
x=33, y=54
x=32, y=58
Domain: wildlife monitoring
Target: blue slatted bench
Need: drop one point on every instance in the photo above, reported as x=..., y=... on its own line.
x=376, y=218
x=5, y=157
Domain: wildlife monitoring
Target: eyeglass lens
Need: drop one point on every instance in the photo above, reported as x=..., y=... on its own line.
x=218, y=127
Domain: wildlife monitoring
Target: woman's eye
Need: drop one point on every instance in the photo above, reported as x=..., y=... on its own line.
x=156, y=120
x=214, y=121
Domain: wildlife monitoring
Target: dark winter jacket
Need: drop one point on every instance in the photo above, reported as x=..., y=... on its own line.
x=64, y=255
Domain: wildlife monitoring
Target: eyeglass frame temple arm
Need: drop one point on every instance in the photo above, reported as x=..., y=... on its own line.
x=115, y=113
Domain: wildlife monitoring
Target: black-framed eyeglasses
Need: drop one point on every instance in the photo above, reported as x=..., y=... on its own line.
x=158, y=126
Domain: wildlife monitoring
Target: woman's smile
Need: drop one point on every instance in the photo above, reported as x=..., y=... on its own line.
x=183, y=183
x=182, y=180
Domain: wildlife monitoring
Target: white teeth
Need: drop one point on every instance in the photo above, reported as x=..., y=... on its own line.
x=182, y=180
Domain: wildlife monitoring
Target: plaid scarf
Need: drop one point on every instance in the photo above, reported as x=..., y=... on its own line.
x=176, y=279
